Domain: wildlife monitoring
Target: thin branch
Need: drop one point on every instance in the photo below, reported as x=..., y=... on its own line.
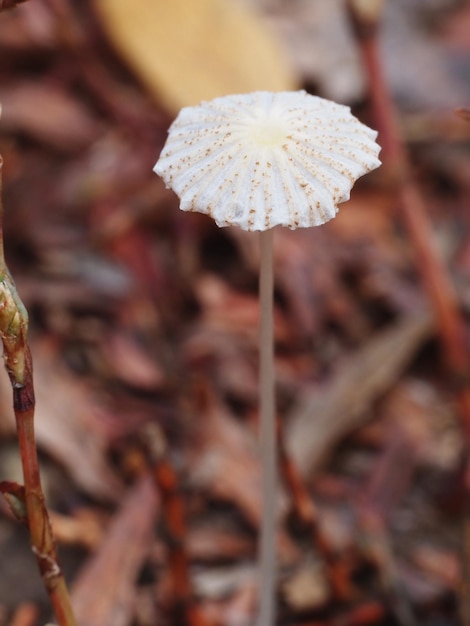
x=306, y=519
x=436, y=280
x=18, y=363
x=435, y=276
x=184, y=606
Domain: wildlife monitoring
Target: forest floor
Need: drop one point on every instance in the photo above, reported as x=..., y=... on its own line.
x=143, y=329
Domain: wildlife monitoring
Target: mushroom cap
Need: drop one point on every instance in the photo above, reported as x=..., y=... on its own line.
x=264, y=159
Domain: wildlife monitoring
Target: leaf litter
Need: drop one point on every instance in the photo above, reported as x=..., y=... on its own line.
x=141, y=317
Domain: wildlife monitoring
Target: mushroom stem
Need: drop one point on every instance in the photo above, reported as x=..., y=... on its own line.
x=267, y=434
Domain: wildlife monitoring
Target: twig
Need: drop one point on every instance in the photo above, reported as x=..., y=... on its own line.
x=376, y=544
x=185, y=610
x=436, y=280
x=435, y=277
x=18, y=363
x=306, y=518
x=103, y=592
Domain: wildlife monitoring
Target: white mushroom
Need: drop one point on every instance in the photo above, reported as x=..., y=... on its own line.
x=257, y=161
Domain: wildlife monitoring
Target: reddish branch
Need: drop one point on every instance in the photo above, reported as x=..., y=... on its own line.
x=28, y=502
x=306, y=518
x=186, y=612
x=365, y=19
x=435, y=277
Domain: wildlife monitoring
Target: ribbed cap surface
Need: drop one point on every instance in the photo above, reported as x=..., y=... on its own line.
x=264, y=159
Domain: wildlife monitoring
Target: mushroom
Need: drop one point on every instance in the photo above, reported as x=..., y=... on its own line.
x=257, y=161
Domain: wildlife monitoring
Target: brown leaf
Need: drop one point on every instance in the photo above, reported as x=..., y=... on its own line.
x=49, y=115
x=84, y=528
x=321, y=418
x=104, y=593
x=437, y=563
x=226, y=462
x=30, y=30
x=131, y=364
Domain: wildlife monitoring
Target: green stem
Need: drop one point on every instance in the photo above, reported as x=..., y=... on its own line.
x=267, y=435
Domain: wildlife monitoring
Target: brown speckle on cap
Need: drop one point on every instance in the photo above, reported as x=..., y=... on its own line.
x=262, y=159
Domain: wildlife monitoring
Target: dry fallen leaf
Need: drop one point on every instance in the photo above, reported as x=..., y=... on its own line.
x=104, y=592
x=49, y=115
x=130, y=363
x=225, y=462
x=186, y=52
x=320, y=419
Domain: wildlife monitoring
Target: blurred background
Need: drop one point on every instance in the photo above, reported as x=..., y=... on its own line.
x=144, y=322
